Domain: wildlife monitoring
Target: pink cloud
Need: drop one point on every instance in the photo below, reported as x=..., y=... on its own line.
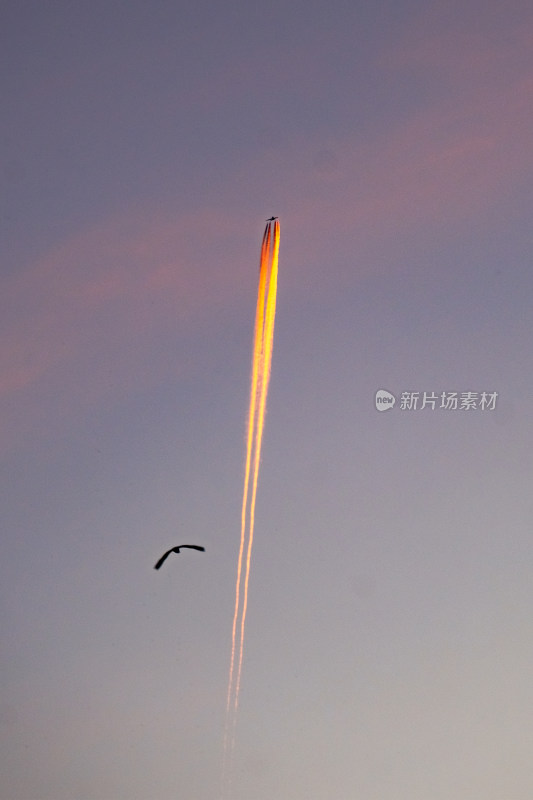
x=460, y=155
x=136, y=277
x=92, y=318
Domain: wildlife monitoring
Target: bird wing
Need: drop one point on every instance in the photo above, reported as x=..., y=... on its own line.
x=162, y=559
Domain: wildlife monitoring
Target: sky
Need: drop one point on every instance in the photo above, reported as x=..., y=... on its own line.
x=388, y=644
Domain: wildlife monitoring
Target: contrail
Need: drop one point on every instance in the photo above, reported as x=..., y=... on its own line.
x=261, y=361
x=266, y=360
x=256, y=364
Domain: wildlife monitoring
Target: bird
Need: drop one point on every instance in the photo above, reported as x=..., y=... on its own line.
x=271, y=219
x=176, y=550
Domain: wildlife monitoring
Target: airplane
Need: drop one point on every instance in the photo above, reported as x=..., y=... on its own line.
x=271, y=219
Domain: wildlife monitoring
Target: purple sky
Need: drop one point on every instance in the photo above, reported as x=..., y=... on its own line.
x=388, y=646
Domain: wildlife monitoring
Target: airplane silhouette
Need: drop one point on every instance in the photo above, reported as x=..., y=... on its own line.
x=176, y=550
x=271, y=219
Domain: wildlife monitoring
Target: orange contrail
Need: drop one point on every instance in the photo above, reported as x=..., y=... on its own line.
x=256, y=358
x=268, y=337
x=261, y=361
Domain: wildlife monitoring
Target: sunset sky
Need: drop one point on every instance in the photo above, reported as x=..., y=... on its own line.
x=389, y=643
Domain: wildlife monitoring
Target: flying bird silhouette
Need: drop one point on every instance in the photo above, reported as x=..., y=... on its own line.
x=176, y=550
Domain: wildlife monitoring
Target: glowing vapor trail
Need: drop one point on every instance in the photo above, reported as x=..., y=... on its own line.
x=256, y=363
x=266, y=360
x=261, y=361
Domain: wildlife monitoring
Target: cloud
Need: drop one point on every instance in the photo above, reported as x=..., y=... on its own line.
x=105, y=310
x=453, y=157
